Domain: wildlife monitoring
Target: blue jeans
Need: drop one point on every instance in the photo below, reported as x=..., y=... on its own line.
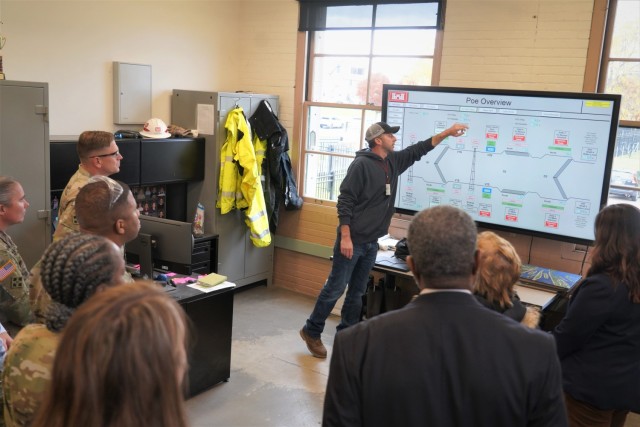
x=355, y=272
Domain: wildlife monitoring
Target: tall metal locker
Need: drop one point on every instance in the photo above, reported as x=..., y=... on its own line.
x=24, y=155
x=238, y=258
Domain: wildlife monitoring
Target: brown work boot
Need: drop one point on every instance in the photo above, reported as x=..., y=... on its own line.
x=314, y=345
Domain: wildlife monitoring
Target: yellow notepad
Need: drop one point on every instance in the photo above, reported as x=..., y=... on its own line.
x=210, y=280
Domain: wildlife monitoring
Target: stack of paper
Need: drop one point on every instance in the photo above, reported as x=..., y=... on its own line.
x=211, y=280
x=216, y=288
x=387, y=243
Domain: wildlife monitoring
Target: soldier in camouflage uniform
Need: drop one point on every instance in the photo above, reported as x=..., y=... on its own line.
x=34, y=348
x=14, y=275
x=72, y=270
x=99, y=155
x=105, y=208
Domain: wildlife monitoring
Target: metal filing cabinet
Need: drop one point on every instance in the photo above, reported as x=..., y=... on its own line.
x=238, y=258
x=24, y=155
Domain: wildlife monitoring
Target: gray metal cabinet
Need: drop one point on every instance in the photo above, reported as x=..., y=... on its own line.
x=131, y=93
x=238, y=258
x=24, y=155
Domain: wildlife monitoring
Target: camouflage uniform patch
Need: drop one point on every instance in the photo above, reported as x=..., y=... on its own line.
x=14, y=283
x=67, y=222
x=27, y=373
x=39, y=299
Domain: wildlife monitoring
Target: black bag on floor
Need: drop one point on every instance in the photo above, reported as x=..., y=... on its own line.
x=393, y=296
x=363, y=310
x=375, y=298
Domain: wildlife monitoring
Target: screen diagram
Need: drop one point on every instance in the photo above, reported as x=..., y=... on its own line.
x=528, y=162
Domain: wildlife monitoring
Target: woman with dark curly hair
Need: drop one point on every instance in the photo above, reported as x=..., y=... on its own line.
x=72, y=270
x=599, y=338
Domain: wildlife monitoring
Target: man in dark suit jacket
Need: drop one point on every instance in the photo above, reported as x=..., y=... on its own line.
x=443, y=360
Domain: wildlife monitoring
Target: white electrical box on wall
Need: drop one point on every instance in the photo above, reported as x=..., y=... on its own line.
x=131, y=93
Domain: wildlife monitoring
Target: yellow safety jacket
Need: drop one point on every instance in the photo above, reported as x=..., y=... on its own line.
x=240, y=186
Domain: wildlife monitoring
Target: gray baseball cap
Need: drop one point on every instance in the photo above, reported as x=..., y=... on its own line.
x=377, y=129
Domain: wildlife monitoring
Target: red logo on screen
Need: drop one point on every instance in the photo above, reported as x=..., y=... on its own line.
x=398, y=96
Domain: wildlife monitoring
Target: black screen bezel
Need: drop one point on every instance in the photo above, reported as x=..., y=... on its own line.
x=526, y=93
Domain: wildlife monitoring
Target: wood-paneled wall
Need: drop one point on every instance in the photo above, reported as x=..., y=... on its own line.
x=314, y=223
x=306, y=274
x=300, y=272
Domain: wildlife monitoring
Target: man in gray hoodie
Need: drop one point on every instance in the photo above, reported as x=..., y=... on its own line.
x=365, y=207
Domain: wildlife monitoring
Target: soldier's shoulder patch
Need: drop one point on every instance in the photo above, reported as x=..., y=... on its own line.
x=16, y=282
x=7, y=269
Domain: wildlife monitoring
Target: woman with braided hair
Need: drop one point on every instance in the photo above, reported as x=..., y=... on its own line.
x=72, y=270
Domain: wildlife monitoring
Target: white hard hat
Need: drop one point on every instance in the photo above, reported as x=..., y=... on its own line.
x=155, y=128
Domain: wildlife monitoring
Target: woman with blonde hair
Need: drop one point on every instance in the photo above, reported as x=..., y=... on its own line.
x=14, y=297
x=498, y=270
x=124, y=363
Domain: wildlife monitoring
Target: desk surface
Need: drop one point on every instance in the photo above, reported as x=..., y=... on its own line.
x=386, y=262
x=182, y=292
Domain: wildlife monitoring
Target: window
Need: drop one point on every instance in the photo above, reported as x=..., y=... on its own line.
x=352, y=50
x=623, y=186
x=620, y=69
x=620, y=73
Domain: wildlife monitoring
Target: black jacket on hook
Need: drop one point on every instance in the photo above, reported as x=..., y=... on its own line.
x=280, y=185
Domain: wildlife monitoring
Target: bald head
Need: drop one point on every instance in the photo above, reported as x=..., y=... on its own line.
x=442, y=242
x=107, y=208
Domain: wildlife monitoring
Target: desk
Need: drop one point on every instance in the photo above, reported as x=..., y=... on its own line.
x=386, y=262
x=397, y=288
x=211, y=318
x=552, y=303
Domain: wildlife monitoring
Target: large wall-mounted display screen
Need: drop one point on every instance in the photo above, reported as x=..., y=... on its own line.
x=532, y=162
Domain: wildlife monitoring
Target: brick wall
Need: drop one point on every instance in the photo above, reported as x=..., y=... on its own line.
x=516, y=44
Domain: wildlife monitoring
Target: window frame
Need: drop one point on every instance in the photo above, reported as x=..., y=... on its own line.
x=598, y=53
x=599, y=57
x=303, y=94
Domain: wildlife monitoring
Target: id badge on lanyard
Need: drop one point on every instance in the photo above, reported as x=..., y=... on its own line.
x=387, y=186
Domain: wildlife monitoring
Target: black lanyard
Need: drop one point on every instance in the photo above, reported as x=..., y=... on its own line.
x=384, y=165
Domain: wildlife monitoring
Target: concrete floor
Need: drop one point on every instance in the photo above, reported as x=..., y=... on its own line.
x=274, y=380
